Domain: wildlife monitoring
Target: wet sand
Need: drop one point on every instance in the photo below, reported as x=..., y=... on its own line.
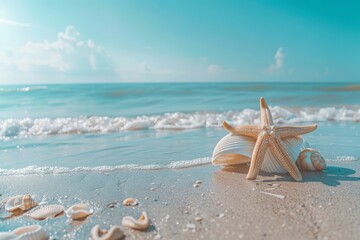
x=225, y=205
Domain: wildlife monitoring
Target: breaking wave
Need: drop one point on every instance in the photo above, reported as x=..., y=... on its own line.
x=102, y=124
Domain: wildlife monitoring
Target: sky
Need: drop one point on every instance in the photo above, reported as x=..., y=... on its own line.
x=179, y=41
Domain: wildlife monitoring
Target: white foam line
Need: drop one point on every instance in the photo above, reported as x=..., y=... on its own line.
x=343, y=159
x=33, y=170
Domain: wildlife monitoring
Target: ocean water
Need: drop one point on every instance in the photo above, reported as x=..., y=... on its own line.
x=122, y=127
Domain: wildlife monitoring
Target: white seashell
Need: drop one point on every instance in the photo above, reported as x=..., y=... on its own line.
x=3, y=202
x=33, y=232
x=79, y=211
x=130, y=202
x=114, y=233
x=311, y=160
x=47, y=211
x=293, y=146
x=232, y=150
x=141, y=224
x=20, y=203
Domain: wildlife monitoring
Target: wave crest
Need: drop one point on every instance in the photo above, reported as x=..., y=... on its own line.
x=103, y=124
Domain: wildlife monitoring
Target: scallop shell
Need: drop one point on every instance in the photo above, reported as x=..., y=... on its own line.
x=33, y=232
x=130, y=202
x=20, y=203
x=114, y=233
x=47, y=211
x=293, y=145
x=311, y=160
x=79, y=211
x=141, y=224
x=233, y=150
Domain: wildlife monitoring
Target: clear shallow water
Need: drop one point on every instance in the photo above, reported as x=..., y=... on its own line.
x=61, y=128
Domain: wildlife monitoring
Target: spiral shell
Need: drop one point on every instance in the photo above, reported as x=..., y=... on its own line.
x=47, y=211
x=114, y=233
x=20, y=203
x=311, y=160
x=79, y=211
x=31, y=232
x=141, y=224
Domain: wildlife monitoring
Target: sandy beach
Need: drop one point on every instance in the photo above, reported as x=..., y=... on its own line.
x=120, y=119
x=225, y=205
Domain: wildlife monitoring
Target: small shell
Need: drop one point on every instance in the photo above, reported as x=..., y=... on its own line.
x=130, y=202
x=25, y=233
x=3, y=202
x=233, y=150
x=20, y=203
x=47, y=211
x=141, y=224
x=114, y=233
x=79, y=211
x=311, y=160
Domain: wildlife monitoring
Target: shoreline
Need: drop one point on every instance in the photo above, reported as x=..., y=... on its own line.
x=225, y=205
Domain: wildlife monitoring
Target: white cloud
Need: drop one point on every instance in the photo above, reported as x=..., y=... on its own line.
x=68, y=53
x=279, y=58
x=14, y=23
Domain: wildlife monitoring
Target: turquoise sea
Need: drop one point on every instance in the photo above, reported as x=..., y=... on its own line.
x=48, y=129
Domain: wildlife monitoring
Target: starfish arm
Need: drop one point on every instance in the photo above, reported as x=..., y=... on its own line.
x=258, y=155
x=287, y=131
x=284, y=159
x=246, y=130
x=265, y=114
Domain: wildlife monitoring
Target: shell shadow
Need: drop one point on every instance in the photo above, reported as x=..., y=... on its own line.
x=331, y=176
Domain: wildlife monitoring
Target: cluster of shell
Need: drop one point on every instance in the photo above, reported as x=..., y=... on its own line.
x=80, y=211
x=234, y=150
x=25, y=204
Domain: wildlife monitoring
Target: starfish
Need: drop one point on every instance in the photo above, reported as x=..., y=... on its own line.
x=268, y=136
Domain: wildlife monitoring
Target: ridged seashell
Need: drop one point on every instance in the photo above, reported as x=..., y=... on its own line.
x=114, y=233
x=233, y=150
x=33, y=232
x=3, y=202
x=20, y=203
x=130, y=202
x=79, y=211
x=141, y=224
x=311, y=160
x=293, y=145
x=47, y=211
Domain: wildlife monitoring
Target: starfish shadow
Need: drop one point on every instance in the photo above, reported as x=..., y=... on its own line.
x=331, y=176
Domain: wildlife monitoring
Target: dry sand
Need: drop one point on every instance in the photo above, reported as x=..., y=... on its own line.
x=225, y=205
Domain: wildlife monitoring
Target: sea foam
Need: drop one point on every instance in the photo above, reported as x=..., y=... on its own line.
x=33, y=170
x=103, y=124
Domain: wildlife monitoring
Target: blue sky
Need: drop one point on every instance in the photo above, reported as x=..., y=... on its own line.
x=170, y=41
